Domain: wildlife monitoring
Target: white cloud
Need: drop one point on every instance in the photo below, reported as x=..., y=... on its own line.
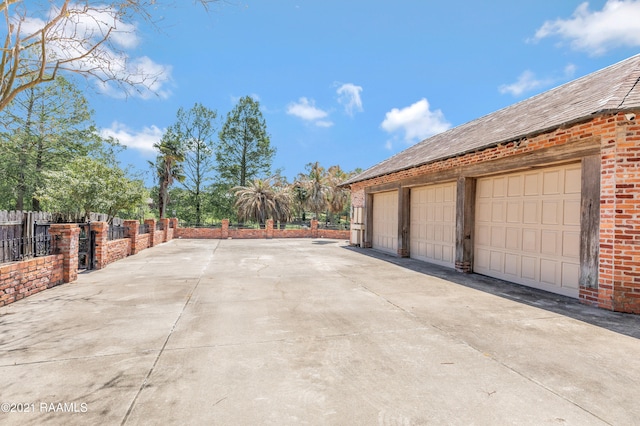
x=349, y=96
x=306, y=110
x=527, y=81
x=324, y=123
x=78, y=38
x=617, y=24
x=142, y=140
x=417, y=121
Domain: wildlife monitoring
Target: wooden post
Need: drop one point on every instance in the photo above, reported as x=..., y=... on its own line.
x=590, y=222
x=404, y=222
x=465, y=219
x=368, y=222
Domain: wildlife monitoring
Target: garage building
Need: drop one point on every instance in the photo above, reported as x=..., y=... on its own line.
x=543, y=193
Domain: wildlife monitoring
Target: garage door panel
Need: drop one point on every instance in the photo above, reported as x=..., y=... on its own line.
x=551, y=183
x=385, y=222
x=482, y=259
x=497, y=211
x=573, y=181
x=527, y=228
x=513, y=238
x=550, y=211
x=548, y=271
x=571, y=244
x=483, y=212
x=497, y=237
x=483, y=235
x=529, y=268
x=530, y=209
x=549, y=240
x=496, y=261
x=530, y=240
x=531, y=185
x=511, y=264
x=498, y=187
x=571, y=213
x=570, y=275
x=514, y=186
x=513, y=212
x=433, y=210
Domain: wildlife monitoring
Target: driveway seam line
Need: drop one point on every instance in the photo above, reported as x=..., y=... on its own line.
x=166, y=341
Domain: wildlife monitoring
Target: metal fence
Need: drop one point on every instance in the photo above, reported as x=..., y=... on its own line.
x=116, y=232
x=143, y=229
x=17, y=249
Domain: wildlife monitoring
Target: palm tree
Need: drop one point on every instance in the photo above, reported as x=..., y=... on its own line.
x=316, y=188
x=338, y=197
x=299, y=196
x=168, y=167
x=260, y=201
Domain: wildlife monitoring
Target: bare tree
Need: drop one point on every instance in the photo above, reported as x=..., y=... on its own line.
x=86, y=37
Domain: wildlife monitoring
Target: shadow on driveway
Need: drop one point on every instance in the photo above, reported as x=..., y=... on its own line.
x=627, y=324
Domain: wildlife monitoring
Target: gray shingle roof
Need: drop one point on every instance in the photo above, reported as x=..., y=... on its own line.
x=616, y=87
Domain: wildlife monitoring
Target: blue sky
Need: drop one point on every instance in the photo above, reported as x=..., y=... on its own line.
x=354, y=82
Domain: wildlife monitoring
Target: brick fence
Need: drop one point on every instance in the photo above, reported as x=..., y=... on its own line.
x=21, y=279
x=269, y=231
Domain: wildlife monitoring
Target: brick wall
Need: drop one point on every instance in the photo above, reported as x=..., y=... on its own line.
x=158, y=238
x=357, y=195
x=619, y=247
x=117, y=250
x=268, y=232
x=141, y=243
x=198, y=233
x=21, y=279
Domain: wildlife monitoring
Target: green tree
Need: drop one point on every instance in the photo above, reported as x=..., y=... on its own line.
x=196, y=130
x=168, y=167
x=43, y=129
x=244, y=149
x=88, y=185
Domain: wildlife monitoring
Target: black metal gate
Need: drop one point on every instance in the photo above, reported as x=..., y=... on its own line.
x=86, y=247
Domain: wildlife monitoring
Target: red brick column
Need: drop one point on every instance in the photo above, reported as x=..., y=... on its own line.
x=314, y=228
x=102, y=237
x=173, y=233
x=131, y=232
x=165, y=230
x=65, y=242
x=619, y=272
x=269, y=228
x=151, y=223
x=225, y=228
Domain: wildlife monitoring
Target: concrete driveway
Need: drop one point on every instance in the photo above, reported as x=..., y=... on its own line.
x=246, y=332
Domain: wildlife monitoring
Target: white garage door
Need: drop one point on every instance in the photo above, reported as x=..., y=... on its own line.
x=528, y=228
x=433, y=223
x=385, y=222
